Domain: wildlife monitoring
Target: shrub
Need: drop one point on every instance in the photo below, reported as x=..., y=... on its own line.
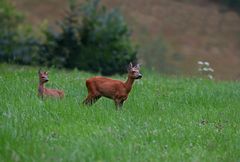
x=17, y=44
x=9, y=19
x=91, y=38
x=230, y=4
x=9, y=16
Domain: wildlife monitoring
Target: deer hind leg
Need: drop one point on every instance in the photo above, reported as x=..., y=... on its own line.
x=91, y=98
x=88, y=100
x=95, y=99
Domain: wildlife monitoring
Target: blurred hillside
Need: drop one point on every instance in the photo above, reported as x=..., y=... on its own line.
x=172, y=34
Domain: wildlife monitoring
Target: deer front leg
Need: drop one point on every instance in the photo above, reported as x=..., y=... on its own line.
x=119, y=100
x=118, y=103
x=40, y=95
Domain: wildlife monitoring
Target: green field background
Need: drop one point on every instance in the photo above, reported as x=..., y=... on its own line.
x=164, y=119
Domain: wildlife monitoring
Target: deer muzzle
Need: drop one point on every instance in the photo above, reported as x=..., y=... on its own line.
x=139, y=76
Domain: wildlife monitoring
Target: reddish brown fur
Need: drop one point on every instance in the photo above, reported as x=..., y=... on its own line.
x=113, y=89
x=42, y=91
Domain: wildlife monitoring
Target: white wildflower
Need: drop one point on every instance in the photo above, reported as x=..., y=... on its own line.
x=210, y=76
x=210, y=69
x=206, y=63
x=205, y=69
x=200, y=62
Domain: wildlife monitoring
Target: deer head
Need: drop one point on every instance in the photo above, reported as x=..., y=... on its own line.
x=43, y=76
x=133, y=71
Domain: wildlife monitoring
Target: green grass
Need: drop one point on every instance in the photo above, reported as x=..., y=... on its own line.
x=164, y=119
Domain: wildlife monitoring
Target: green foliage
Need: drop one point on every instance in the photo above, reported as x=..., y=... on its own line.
x=62, y=49
x=9, y=17
x=92, y=39
x=231, y=4
x=164, y=119
x=17, y=45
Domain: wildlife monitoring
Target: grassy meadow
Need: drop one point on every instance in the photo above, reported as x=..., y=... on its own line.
x=164, y=119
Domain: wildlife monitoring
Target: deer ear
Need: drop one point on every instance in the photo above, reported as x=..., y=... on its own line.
x=130, y=66
x=138, y=66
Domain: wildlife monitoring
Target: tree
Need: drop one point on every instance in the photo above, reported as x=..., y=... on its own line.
x=92, y=38
x=10, y=18
x=16, y=43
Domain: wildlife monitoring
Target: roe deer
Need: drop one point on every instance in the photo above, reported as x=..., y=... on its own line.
x=42, y=91
x=113, y=89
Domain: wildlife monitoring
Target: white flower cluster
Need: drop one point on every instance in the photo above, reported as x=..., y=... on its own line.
x=205, y=69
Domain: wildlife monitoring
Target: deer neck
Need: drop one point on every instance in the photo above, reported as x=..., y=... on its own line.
x=129, y=83
x=41, y=88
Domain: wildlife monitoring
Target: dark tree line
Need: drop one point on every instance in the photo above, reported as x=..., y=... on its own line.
x=229, y=4
x=91, y=38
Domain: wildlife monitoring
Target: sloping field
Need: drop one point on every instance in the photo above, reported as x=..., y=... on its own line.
x=188, y=31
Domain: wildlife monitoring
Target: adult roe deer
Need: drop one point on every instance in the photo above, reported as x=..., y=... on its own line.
x=42, y=91
x=114, y=89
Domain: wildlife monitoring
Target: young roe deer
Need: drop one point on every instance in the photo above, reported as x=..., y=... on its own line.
x=42, y=91
x=113, y=89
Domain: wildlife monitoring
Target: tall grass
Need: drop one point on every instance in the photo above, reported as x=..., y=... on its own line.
x=164, y=119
